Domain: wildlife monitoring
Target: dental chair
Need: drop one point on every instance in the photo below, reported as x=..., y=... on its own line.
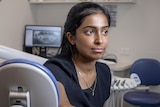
x=148, y=71
x=25, y=82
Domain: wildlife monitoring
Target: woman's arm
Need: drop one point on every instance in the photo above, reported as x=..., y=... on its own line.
x=64, y=102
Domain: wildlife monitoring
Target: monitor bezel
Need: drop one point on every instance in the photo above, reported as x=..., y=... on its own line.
x=47, y=46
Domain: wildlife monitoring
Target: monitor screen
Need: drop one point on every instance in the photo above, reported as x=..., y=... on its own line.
x=42, y=36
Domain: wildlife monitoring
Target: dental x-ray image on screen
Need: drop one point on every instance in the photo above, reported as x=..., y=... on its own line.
x=43, y=36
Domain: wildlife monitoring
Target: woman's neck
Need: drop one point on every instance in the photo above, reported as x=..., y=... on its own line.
x=85, y=66
x=86, y=72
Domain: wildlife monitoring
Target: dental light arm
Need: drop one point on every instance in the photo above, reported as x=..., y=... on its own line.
x=7, y=53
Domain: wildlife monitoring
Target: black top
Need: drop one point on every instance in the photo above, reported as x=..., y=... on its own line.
x=64, y=71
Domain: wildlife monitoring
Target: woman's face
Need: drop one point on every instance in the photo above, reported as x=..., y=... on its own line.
x=92, y=37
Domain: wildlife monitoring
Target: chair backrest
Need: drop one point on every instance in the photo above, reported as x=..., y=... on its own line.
x=24, y=79
x=148, y=71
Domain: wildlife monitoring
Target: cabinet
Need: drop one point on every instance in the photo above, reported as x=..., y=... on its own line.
x=77, y=1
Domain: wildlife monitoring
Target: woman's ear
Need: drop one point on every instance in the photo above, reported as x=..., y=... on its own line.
x=70, y=38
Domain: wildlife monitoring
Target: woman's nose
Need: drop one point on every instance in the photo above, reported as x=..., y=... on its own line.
x=98, y=39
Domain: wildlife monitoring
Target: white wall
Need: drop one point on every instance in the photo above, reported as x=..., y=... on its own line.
x=14, y=14
x=138, y=30
x=137, y=25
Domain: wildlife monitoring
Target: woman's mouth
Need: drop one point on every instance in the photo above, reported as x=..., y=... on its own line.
x=98, y=50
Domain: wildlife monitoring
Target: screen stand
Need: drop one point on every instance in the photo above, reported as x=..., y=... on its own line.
x=43, y=52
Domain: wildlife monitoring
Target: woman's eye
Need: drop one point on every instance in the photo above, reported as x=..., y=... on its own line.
x=89, y=32
x=104, y=32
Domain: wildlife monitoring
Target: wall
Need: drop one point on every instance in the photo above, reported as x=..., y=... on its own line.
x=137, y=29
x=14, y=14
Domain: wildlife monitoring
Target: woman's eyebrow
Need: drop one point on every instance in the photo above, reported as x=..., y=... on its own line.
x=95, y=27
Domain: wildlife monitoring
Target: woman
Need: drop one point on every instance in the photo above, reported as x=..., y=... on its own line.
x=83, y=82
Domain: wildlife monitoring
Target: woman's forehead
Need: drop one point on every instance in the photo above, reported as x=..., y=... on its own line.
x=97, y=20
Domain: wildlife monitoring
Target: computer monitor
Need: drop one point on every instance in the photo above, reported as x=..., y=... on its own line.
x=42, y=36
x=24, y=83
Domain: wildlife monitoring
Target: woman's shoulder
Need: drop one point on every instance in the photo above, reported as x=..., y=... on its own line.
x=59, y=59
x=60, y=63
x=61, y=66
x=103, y=69
x=101, y=65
